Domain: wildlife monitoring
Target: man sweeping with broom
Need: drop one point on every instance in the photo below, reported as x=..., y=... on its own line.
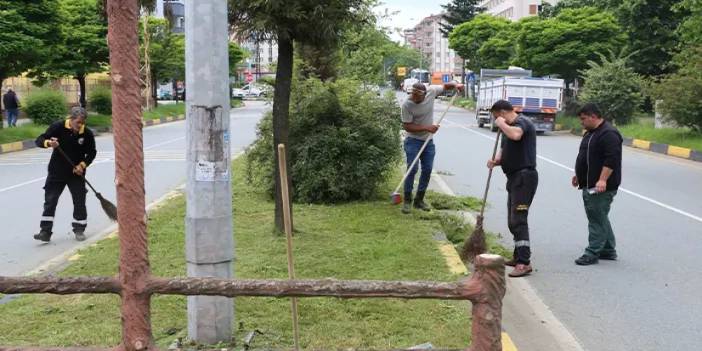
x=518, y=160
x=72, y=142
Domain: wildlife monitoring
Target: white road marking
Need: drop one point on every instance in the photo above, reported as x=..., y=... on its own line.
x=624, y=190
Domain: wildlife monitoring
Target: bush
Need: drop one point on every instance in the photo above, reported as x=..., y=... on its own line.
x=343, y=142
x=46, y=106
x=614, y=87
x=100, y=101
x=680, y=92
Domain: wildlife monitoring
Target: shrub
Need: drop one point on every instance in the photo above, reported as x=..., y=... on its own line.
x=100, y=101
x=46, y=106
x=614, y=87
x=343, y=142
x=680, y=92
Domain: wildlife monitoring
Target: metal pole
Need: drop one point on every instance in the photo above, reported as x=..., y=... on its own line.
x=208, y=224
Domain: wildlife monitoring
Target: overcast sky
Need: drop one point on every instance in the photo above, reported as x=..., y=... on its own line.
x=410, y=12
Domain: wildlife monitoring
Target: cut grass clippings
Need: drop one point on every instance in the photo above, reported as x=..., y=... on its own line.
x=360, y=240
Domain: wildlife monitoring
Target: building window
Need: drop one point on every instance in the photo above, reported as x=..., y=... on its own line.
x=180, y=22
x=533, y=9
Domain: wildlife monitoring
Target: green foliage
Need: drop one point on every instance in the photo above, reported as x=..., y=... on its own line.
x=441, y=201
x=343, y=144
x=166, y=50
x=46, y=106
x=689, y=28
x=100, y=101
x=236, y=55
x=680, y=92
x=564, y=44
x=467, y=38
x=613, y=86
x=80, y=44
x=457, y=12
x=498, y=51
x=25, y=29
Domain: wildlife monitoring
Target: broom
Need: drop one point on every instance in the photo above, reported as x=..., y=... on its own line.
x=475, y=243
x=396, y=197
x=107, y=206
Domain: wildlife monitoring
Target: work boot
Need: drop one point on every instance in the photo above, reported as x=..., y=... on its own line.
x=612, y=256
x=520, y=270
x=586, y=260
x=80, y=236
x=43, y=236
x=407, y=204
x=419, y=202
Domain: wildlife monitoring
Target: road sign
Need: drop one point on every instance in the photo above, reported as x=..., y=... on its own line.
x=446, y=78
x=249, y=78
x=401, y=71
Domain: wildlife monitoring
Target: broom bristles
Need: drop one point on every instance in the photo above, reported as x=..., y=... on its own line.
x=475, y=243
x=107, y=206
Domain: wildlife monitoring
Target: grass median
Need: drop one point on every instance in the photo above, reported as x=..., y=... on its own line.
x=360, y=240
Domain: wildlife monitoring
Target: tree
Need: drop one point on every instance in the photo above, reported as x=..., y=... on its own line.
x=166, y=53
x=680, y=92
x=236, y=55
x=614, y=86
x=563, y=45
x=25, y=27
x=80, y=46
x=302, y=21
x=467, y=38
x=498, y=51
x=458, y=12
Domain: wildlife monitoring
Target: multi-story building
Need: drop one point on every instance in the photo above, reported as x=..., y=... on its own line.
x=427, y=38
x=175, y=10
x=514, y=9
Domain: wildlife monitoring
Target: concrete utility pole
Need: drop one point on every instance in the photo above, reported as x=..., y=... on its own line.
x=209, y=238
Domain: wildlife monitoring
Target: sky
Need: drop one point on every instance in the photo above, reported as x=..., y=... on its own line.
x=410, y=13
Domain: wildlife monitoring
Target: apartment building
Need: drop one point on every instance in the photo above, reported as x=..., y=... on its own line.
x=514, y=9
x=427, y=38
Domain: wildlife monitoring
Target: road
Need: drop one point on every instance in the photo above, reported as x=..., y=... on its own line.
x=649, y=298
x=23, y=176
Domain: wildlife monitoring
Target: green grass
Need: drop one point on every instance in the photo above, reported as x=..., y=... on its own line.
x=643, y=128
x=682, y=137
x=360, y=240
x=99, y=121
x=170, y=110
x=466, y=103
x=23, y=132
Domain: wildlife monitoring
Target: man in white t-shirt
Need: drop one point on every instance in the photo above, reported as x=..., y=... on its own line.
x=418, y=121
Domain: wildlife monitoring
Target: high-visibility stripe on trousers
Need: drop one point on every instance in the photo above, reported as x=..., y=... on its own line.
x=52, y=192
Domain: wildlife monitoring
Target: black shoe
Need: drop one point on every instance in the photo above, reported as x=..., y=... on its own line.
x=419, y=202
x=586, y=260
x=43, y=236
x=80, y=236
x=407, y=204
x=612, y=256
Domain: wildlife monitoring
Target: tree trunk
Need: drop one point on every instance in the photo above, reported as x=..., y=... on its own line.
x=81, y=83
x=147, y=64
x=154, y=90
x=174, y=86
x=2, y=80
x=123, y=39
x=281, y=110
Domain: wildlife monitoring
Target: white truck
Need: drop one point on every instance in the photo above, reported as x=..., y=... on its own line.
x=539, y=99
x=416, y=76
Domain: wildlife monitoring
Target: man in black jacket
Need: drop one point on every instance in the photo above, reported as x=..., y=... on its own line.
x=598, y=172
x=12, y=105
x=78, y=143
x=518, y=160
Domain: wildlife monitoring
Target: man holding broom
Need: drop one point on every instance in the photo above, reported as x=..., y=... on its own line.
x=78, y=144
x=418, y=121
x=518, y=160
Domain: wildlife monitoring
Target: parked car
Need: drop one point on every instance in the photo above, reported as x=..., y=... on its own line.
x=249, y=90
x=164, y=95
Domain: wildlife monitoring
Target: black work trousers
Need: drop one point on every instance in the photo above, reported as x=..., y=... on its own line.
x=521, y=187
x=52, y=192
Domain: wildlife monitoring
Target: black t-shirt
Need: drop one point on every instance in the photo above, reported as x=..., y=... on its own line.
x=521, y=154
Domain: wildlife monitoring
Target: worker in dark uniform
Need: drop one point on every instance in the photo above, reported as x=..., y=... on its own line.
x=518, y=160
x=78, y=143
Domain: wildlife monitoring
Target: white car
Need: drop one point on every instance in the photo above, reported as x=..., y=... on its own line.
x=249, y=90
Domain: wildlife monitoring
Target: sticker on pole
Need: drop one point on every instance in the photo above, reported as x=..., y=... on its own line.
x=205, y=171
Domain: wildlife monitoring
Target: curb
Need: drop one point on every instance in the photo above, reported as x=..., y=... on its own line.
x=29, y=144
x=664, y=149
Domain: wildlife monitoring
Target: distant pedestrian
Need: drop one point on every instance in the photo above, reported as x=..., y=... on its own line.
x=78, y=143
x=418, y=121
x=598, y=172
x=517, y=157
x=12, y=105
